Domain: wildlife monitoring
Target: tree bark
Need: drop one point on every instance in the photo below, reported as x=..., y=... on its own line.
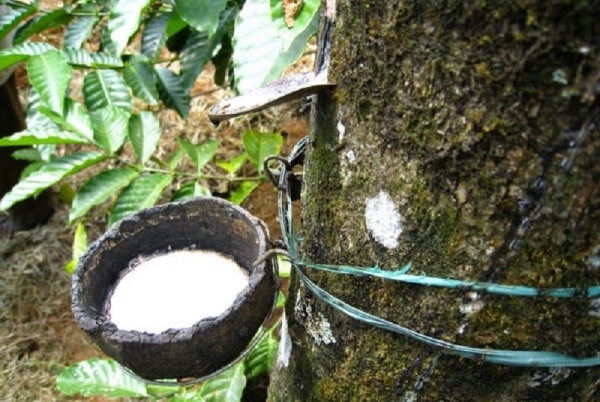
x=474, y=124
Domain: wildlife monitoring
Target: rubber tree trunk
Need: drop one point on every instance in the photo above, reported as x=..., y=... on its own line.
x=462, y=137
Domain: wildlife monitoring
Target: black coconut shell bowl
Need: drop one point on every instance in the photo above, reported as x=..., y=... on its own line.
x=204, y=223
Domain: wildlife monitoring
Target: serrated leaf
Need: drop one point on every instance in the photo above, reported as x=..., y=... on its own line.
x=200, y=154
x=202, y=15
x=300, y=22
x=49, y=174
x=102, y=88
x=12, y=17
x=154, y=36
x=79, y=31
x=54, y=18
x=99, y=377
x=98, y=189
x=260, y=145
x=49, y=73
x=259, y=59
x=261, y=358
x=189, y=191
x=140, y=76
x=144, y=133
x=110, y=127
x=124, y=21
x=243, y=190
x=141, y=193
x=225, y=387
x=83, y=58
x=172, y=92
x=22, y=52
x=35, y=136
x=80, y=244
x=233, y=165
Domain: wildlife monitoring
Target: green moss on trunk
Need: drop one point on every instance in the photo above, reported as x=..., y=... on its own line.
x=479, y=120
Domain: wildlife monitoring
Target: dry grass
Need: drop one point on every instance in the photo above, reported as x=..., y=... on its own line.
x=38, y=335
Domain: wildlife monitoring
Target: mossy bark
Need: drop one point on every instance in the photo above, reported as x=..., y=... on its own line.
x=479, y=120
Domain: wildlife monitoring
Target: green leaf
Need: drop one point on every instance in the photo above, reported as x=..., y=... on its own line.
x=174, y=159
x=200, y=154
x=141, y=78
x=49, y=73
x=124, y=21
x=202, y=15
x=189, y=191
x=261, y=358
x=260, y=145
x=233, y=165
x=35, y=118
x=102, y=88
x=49, y=174
x=259, y=59
x=243, y=190
x=172, y=92
x=55, y=18
x=225, y=387
x=79, y=31
x=22, y=52
x=98, y=189
x=200, y=47
x=144, y=133
x=110, y=127
x=27, y=154
x=83, y=58
x=80, y=244
x=154, y=36
x=285, y=266
x=141, y=193
x=75, y=119
x=99, y=377
x=295, y=51
x=12, y=17
x=280, y=300
x=198, y=50
x=35, y=136
x=307, y=13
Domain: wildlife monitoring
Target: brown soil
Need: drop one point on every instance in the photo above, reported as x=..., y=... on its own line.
x=38, y=335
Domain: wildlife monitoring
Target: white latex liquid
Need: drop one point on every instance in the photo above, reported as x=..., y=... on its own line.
x=175, y=290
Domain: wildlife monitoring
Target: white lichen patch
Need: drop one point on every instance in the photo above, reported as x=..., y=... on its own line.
x=317, y=325
x=341, y=130
x=383, y=220
x=472, y=304
x=549, y=376
x=175, y=290
x=594, y=310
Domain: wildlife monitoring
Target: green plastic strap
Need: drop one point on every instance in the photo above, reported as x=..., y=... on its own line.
x=505, y=357
x=402, y=276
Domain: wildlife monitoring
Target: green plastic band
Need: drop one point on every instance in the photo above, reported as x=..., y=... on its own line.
x=505, y=357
